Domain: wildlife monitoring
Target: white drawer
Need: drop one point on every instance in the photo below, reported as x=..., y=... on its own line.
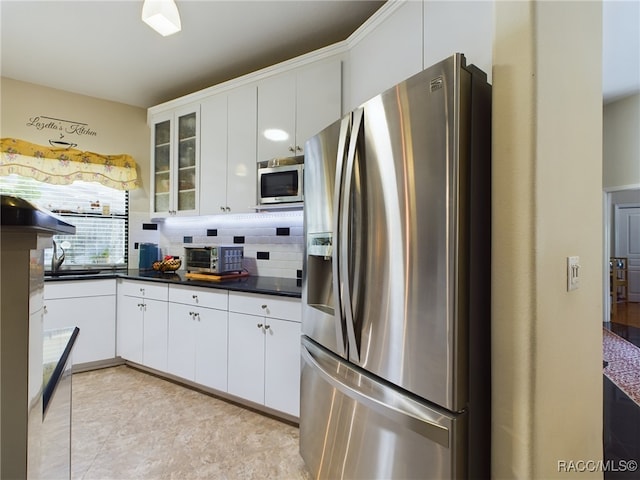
x=79, y=288
x=198, y=297
x=266, y=305
x=151, y=290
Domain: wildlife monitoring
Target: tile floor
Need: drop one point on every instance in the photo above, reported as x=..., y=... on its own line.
x=127, y=424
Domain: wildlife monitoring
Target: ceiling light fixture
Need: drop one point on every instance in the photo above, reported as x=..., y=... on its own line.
x=162, y=16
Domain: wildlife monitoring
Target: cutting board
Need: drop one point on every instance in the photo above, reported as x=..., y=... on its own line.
x=208, y=277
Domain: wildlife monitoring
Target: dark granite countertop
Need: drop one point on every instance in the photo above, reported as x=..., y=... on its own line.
x=284, y=287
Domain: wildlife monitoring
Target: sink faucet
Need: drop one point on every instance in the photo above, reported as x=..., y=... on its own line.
x=55, y=260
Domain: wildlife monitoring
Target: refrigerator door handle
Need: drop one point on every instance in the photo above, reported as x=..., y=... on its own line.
x=345, y=125
x=387, y=401
x=344, y=254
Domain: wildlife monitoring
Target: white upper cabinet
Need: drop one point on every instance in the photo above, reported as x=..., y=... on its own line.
x=175, y=153
x=213, y=148
x=277, y=117
x=296, y=105
x=228, y=152
x=389, y=52
x=465, y=27
x=318, y=98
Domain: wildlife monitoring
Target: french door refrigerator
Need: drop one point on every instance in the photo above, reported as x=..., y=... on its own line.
x=395, y=378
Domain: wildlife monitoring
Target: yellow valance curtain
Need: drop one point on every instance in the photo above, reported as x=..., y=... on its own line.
x=62, y=166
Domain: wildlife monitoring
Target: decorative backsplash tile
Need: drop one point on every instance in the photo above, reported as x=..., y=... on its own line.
x=273, y=242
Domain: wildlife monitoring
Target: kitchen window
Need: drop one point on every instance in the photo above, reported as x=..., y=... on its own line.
x=99, y=213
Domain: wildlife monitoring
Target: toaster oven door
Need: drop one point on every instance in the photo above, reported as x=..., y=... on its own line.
x=198, y=259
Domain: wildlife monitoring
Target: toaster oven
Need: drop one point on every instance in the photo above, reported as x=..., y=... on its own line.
x=216, y=259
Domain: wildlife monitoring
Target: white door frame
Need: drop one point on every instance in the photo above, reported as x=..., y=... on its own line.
x=606, y=244
x=617, y=211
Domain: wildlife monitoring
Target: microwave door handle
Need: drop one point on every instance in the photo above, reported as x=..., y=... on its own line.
x=341, y=333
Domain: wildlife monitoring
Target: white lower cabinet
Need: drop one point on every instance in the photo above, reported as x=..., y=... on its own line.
x=246, y=356
x=90, y=306
x=142, y=322
x=264, y=352
x=245, y=344
x=198, y=345
x=130, y=328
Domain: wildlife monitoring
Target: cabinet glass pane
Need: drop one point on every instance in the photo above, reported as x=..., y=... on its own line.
x=187, y=179
x=162, y=184
x=163, y=133
x=161, y=202
x=187, y=126
x=187, y=200
x=162, y=158
x=187, y=153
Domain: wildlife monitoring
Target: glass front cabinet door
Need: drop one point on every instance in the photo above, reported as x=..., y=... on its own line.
x=175, y=155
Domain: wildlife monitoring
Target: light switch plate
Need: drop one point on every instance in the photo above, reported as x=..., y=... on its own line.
x=573, y=273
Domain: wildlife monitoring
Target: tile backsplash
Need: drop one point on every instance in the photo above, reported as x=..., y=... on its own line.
x=273, y=241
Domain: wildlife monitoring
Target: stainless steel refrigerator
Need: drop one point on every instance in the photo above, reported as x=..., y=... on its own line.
x=395, y=379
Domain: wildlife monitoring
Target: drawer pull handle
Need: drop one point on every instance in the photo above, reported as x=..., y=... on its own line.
x=264, y=307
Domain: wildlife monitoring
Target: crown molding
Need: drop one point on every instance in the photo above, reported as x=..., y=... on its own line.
x=327, y=52
x=337, y=49
x=374, y=21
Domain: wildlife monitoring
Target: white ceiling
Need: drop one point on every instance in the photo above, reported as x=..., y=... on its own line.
x=103, y=49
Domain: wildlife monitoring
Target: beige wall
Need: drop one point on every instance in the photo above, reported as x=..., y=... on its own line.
x=547, y=370
x=621, y=144
x=111, y=128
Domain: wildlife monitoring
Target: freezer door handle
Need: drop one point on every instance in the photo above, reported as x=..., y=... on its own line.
x=345, y=125
x=345, y=253
x=387, y=401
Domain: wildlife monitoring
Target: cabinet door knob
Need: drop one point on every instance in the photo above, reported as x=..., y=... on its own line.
x=260, y=325
x=195, y=297
x=291, y=149
x=298, y=148
x=228, y=209
x=267, y=327
x=45, y=309
x=264, y=306
x=222, y=209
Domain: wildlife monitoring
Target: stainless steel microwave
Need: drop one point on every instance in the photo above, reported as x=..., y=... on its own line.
x=281, y=180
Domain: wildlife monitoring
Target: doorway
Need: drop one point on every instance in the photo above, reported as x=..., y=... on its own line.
x=621, y=240
x=621, y=337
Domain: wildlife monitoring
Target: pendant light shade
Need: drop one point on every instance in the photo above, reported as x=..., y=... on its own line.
x=162, y=16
